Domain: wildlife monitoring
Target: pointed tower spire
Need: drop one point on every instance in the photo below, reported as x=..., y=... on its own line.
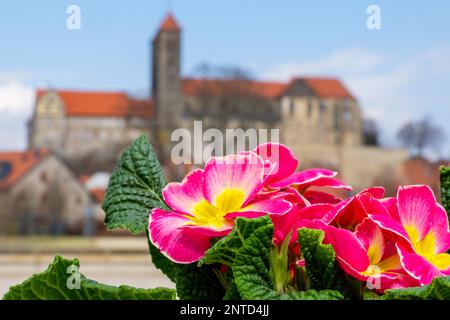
x=170, y=23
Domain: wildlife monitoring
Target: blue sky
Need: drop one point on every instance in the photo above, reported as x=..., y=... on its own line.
x=399, y=72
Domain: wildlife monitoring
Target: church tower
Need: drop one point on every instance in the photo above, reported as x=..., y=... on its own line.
x=166, y=82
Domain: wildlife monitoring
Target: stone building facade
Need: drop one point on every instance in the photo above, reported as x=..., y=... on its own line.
x=88, y=129
x=40, y=194
x=318, y=117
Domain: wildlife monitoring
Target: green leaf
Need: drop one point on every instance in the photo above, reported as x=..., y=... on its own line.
x=62, y=281
x=313, y=295
x=445, y=188
x=439, y=289
x=252, y=274
x=198, y=283
x=224, y=250
x=320, y=259
x=134, y=188
x=371, y=295
x=232, y=291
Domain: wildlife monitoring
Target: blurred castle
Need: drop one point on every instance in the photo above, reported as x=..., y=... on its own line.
x=318, y=117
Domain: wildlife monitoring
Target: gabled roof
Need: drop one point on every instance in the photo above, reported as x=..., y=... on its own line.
x=321, y=87
x=14, y=165
x=268, y=90
x=102, y=104
x=327, y=88
x=169, y=23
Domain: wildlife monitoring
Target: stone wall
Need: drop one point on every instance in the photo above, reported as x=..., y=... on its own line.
x=48, y=198
x=359, y=166
x=88, y=144
x=307, y=120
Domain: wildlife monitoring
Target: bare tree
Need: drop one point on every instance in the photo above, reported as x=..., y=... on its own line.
x=371, y=132
x=234, y=93
x=418, y=136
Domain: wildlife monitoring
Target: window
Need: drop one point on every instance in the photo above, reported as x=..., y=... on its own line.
x=347, y=115
x=310, y=108
x=291, y=107
x=337, y=120
x=5, y=169
x=322, y=107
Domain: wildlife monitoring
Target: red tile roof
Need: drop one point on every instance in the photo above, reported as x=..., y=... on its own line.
x=84, y=179
x=327, y=87
x=268, y=90
x=98, y=194
x=19, y=162
x=169, y=24
x=322, y=87
x=102, y=104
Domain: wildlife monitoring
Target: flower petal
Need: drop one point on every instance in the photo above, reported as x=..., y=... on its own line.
x=261, y=208
x=316, y=197
x=440, y=230
x=315, y=211
x=184, y=196
x=181, y=245
x=372, y=239
x=243, y=172
x=416, y=209
x=210, y=231
x=283, y=159
x=391, y=205
x=327, y=182
x=348, y=214
x=306, y=177
x=284, y=225
x=417, y=266
x=386, y=222
x=376, y=192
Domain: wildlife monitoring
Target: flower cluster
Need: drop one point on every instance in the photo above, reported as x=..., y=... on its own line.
x=400, y=241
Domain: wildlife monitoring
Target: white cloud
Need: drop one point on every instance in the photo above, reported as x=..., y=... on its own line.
x=390, y=91
x=16, y=102
x=16, y=97
x=351, y=61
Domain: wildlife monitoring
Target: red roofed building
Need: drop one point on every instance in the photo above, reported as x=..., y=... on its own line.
x=39, y=194
x=88, y=128
x=315, y=115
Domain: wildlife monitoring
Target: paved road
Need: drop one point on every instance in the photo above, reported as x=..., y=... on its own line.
x=133, y=269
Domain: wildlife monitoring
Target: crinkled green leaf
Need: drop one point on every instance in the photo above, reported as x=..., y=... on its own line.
x=320, y=260
x=198, y=283
x=134, y=188
x=439, y=289
x=312, y=295
x=224, y=251
x=445, y=188
x=252, y=274
x=62, y=274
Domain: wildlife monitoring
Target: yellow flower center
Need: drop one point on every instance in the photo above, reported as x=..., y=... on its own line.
x=207, y=214
x=426, y=248
x=385, y=266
